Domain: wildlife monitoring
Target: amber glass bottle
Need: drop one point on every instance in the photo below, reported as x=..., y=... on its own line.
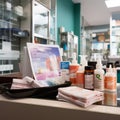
x=89, y=78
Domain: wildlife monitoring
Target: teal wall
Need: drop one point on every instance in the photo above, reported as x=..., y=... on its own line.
x=77, y=25
x=68, y=16
x=65, y=16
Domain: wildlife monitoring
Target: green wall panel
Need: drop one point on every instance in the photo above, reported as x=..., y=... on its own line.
x=77, y=24
x=65, y=15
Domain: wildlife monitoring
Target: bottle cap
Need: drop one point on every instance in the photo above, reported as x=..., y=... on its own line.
x=110, y=68
x=108, y=64
x=99, y=64
x=89, y=68
x=92, y=63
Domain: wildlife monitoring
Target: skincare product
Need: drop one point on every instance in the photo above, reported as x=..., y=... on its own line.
x=110, y=80
x=74, y=66
x=64, y=70
x=89, y=77
x=99, y=77
x=80, y=73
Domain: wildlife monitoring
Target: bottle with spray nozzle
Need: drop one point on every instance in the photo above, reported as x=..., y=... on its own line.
x=99, y=76
x=80, y=73
x=73, y=68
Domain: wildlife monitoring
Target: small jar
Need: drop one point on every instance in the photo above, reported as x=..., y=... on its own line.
x=89, y=78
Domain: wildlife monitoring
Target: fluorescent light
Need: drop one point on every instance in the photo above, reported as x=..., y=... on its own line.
x=112, y=3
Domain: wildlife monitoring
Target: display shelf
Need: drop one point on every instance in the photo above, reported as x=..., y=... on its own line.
x=11, y=15
x=69, y=44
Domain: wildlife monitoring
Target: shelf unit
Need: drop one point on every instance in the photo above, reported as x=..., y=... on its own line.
x=11, y=14
x=69, y=44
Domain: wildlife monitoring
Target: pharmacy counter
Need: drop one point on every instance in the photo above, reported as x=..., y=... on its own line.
x=41, y=109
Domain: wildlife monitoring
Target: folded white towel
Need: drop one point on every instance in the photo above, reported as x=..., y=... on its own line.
x=79, y=96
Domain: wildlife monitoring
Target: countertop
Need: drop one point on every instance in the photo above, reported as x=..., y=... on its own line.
x=34, y=109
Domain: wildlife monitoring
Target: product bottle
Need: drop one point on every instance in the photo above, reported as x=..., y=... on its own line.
x=80, y=77
x=89, y=78
x=110, y=98
x=80, y=73
x=99, y=77
x=110, y=80
x=8, y=5
x=73, y=68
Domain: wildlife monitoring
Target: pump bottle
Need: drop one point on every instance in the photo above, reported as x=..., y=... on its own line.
x=80, y=73
x=73, y=68
x=99, y=77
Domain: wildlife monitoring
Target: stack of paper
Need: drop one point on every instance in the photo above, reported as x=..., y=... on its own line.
x=79, y=96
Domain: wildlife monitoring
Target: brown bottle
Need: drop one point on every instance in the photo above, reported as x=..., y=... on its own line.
x=89, y=78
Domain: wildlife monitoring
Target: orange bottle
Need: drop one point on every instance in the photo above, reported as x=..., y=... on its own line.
x=110, y=80
x=73, y=68
x=80, y=77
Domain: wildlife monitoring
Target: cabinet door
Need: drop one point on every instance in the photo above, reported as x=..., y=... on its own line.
x=115, y=34
x=11, y=12
x=40, y=23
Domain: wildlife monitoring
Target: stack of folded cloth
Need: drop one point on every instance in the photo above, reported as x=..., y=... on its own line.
x=79, y=96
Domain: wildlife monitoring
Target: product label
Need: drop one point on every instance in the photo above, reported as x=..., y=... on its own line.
x=80, y=79
x=89, y=84
x=99, y=81
x=110, y=83
x=64, y=65
x=65, y=74
x=73, y=69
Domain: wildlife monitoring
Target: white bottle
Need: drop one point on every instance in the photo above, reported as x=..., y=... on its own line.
x=110, y=80
x=99, y=76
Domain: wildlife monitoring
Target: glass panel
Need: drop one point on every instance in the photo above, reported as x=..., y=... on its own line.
x=41, y=20
x=11, y=12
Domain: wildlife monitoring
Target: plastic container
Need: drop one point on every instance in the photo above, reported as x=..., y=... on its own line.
x=110, y=80
x=80, y=78
x=73, y=68
x=64, y=70
x=99, y=77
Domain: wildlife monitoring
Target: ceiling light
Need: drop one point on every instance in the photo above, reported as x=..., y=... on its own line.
x=112, y=3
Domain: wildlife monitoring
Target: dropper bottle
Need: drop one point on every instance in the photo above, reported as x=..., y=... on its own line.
x=99, y=76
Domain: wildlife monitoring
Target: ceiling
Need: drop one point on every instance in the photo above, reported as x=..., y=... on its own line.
x=95, y=12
